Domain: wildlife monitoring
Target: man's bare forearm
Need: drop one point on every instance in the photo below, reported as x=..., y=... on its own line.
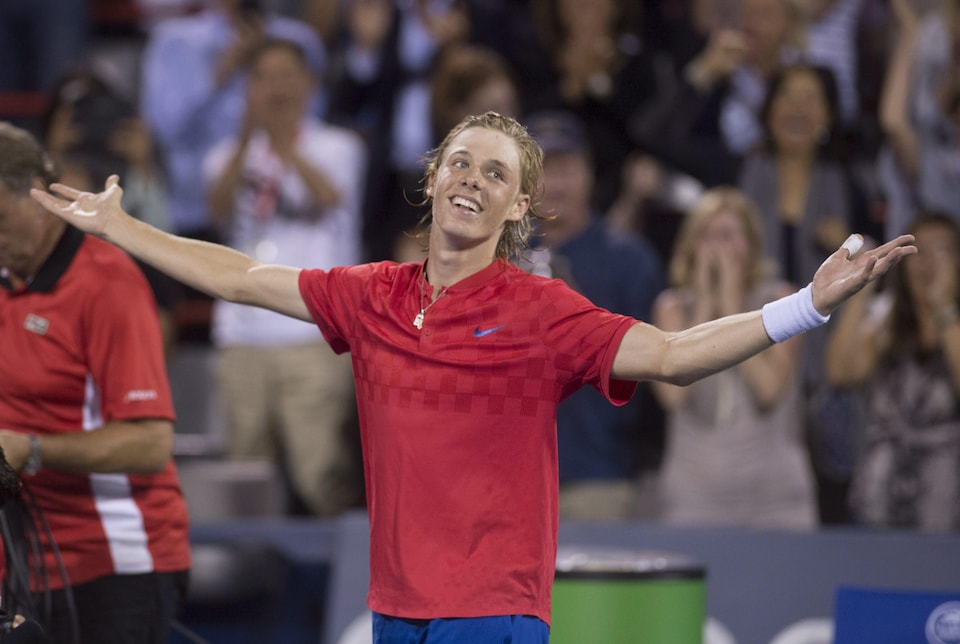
x=713, y=346
x=214, y=269
x=222, y=272
x=682, y=358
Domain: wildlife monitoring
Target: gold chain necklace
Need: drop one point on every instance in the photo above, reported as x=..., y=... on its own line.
x=418, y=321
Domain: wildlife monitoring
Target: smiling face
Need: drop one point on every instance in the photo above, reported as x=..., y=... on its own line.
x=799, y=112
x=723, y=217
x=726, y=228
x=280, y=83
x=476, y=191
x=937, y=259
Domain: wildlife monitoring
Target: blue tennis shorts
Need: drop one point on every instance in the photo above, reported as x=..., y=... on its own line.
x=507, y=629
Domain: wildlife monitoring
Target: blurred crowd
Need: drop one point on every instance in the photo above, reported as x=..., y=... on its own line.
x=702, y=157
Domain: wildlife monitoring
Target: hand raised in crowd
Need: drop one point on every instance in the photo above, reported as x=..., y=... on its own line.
x=584, y=64
x=281, y=131
x=283, y=140
x=704, y=272
x=724, y=53
x=718, y=280
x=232, y=60
x=731, y=280
x=706, y=277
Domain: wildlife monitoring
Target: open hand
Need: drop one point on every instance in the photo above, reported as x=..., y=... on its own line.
x=843, y=274
x=724, y=53
x=248, y=34
x=87, y=211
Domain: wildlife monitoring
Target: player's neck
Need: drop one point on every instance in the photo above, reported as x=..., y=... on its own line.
x=447, y=267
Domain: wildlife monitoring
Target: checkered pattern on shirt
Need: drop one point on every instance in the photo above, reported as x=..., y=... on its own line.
x=459, y=429
x=548, y=341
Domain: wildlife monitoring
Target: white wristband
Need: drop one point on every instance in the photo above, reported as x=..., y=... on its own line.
x=791, y=315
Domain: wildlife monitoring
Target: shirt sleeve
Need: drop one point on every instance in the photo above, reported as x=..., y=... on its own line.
x=124, y=348
x=333, y=297
x=585, y=339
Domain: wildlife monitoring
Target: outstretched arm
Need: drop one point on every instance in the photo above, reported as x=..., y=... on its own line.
x=217, y=270
x=681, y=358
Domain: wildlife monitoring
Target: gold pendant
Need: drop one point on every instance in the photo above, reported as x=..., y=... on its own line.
x=418, y=321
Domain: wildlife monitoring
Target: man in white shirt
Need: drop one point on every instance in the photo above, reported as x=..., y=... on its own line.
x=287, y=190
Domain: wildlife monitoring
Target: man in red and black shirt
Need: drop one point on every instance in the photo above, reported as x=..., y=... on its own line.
x=86, y=415
x=460, y=363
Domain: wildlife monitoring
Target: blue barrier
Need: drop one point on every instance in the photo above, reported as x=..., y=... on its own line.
x=759, y=582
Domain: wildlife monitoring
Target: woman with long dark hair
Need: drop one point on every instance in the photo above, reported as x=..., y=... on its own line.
x=902, y=346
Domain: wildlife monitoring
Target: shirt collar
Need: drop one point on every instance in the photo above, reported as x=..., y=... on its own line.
x=471, y=281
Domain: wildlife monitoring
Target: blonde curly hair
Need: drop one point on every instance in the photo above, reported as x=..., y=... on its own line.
x=514, y=241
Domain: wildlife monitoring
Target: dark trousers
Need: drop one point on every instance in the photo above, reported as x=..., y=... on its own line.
x=120, y=609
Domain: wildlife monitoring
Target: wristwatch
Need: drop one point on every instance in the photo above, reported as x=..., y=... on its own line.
x=32, y=466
